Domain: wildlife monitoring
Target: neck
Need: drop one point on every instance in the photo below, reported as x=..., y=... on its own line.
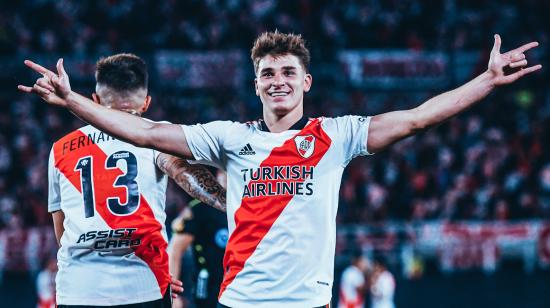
x=280, y=123
x=130, y=111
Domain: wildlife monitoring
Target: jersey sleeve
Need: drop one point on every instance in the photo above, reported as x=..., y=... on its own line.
x=206, y=141
x=54, y=195
x=351, y=132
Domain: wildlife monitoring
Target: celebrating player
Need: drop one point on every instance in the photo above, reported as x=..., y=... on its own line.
x=284, y=171
x=107, y=200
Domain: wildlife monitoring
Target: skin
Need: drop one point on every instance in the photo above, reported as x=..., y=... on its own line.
x=178, y=245
x=281, y=82
x=196, y=180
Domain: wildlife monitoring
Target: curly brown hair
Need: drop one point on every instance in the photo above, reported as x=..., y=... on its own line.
x=279, y=44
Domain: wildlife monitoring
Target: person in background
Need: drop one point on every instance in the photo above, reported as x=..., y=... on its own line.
x=205, y=230
x=45, y=285
x=382, y=285
x=353, y=286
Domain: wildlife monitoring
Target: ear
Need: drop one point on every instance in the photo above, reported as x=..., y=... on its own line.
x=145, y=104
x=308, y=80
x=256, y=86
x=96, y=99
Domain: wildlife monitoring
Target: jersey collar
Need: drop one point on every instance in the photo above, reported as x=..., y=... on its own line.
x=296, y=126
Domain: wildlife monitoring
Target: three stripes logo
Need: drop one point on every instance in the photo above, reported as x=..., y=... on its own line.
x=247, y=150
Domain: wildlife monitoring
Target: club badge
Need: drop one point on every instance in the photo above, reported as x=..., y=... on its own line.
x=305, y=145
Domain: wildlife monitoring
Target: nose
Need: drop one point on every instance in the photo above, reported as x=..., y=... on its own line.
x=278, y=80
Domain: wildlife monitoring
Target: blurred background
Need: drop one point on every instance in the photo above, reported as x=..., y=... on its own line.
x=459, y=214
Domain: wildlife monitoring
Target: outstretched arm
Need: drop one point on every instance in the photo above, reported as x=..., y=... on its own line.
x=388, y=128
x=196, y=180
x=56, y=90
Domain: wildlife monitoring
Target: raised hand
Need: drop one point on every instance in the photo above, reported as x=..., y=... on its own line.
x=510, y=66
x=51, y=87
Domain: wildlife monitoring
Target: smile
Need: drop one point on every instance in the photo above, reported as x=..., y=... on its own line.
x=278, y=94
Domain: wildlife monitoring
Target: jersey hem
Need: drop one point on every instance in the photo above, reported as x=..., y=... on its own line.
x=110, y=301
x=259, y=303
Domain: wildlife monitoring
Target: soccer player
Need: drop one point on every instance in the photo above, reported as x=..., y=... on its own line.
x=284, y=171
x=382, y=285
x=204, y=229
x=353, y=285
x=107, y=198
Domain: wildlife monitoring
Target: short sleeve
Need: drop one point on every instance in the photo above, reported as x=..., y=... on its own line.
x=54, y=195
x=352, y=133
x=206, y=141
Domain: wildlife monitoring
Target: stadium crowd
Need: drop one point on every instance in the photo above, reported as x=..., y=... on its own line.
x=108, y=25
x=491, y=163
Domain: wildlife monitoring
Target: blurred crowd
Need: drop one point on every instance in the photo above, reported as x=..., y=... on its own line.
x=491, y=163
x=106, y=26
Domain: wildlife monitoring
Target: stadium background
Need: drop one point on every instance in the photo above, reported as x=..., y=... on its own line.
x=461, y=212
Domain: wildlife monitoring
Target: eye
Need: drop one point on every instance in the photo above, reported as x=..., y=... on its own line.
x=290, y=73
x=267, y=74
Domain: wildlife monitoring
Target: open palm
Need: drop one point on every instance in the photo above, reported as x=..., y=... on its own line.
x=510, y=66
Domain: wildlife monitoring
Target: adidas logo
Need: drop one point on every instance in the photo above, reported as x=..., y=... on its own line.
x=247, y=150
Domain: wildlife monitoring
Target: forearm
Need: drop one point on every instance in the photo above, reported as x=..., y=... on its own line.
x=164, y=137
x=178, y=245
x=175, y=254
x=58, y=219
x=121, y=125
x=446, y=105
x=196, y=180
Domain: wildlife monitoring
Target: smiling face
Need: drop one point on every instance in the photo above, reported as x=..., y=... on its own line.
x=280, y=83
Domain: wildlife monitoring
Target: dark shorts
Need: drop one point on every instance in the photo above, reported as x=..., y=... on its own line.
x=224, y=306
x=165, y=302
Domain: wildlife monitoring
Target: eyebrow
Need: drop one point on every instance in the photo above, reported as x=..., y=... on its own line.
x=269, y=69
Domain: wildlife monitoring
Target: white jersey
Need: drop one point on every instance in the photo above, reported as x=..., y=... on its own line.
x=113, y=249
x=352, y=279
x=282, y=198
x=382, y=291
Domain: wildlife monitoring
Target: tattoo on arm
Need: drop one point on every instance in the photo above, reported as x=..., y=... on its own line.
x=196, y=180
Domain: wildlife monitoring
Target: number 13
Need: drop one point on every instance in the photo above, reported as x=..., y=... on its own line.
x=127, y=180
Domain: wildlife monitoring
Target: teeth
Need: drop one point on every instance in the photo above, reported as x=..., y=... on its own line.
x=279, y=94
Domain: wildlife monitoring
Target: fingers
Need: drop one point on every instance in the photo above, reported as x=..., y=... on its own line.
x=40, y=90
x=176, y=286
x=45, y=83
x=525, y=47
x=531, y=69
x=522, y=72
x=517, y=57
x=24, y=88
x=496, y=45
x=60, y=69
x=521, y=63
x=175, y=281
x=38, y=68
